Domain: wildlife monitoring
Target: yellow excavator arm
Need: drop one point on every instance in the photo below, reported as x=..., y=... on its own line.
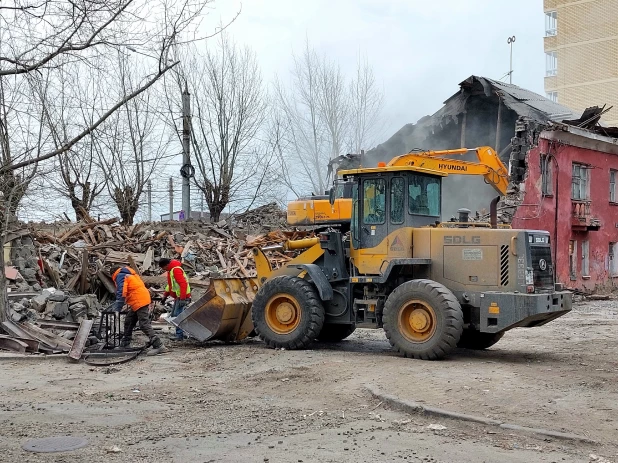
x=319, y=211
x=489, y=164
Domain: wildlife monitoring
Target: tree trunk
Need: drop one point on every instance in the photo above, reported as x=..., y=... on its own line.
x=127, y=203
x=4, y=298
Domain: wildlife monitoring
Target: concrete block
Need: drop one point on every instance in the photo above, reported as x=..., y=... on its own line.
x=38, y=303
x=60, y=310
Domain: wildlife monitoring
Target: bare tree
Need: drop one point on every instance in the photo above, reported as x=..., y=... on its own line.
x=37, y=38
x=228, y=104
x=132, y=145
x=324, y=114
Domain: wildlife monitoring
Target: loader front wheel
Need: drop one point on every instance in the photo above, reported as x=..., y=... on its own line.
x=423, y=320
x=472, y=339
x=336, y=332
x=287, y=313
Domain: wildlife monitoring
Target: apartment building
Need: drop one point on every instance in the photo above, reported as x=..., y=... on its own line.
x=581, y=53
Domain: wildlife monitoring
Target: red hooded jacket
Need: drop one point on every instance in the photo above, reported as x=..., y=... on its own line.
x=179, y=276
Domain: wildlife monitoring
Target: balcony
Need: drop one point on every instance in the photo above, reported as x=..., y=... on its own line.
x=582, y=218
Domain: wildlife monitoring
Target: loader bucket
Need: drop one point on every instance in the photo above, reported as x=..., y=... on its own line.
x=223, y=313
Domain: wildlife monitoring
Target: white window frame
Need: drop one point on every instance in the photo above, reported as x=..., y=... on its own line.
x=613, y=259
x=612, y=185
x=551, y=63
x=580, y=182
x=585, y=258
x=551, y=23
x=552, y=96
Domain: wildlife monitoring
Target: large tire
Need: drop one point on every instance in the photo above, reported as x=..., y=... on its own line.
x=472, y=339
x=423, y=320
x=287, y=312
x=335, y=332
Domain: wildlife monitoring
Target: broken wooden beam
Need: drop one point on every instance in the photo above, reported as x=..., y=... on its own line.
x=80, y=340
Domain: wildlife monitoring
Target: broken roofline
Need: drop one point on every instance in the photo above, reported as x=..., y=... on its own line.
x=580, y=137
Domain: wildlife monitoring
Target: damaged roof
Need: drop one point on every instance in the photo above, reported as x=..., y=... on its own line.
x=524, y=102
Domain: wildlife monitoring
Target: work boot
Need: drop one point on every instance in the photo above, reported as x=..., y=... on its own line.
x=157, y=350
x=125, y=342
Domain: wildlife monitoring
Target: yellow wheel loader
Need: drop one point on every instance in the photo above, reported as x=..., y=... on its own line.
x=430, y=288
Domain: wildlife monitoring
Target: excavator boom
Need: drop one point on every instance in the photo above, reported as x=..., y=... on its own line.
x=489, y=164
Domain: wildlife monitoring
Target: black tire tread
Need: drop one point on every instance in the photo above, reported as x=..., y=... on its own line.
x=310, y=303
x=450, y=311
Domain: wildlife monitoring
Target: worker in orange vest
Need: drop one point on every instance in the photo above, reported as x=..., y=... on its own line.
x=131, y=290
x=177, y=287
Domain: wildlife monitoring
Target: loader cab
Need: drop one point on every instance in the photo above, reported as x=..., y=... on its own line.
x=386, y=205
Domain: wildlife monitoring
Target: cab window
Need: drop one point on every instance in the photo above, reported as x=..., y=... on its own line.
x=374, y=201
x=424, y=195
x=397, y=199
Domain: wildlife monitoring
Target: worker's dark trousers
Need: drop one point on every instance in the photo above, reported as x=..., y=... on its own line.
x=132, y=318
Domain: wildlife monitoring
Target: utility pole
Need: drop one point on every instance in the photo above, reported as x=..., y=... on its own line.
x=187, y=171
x=171, y=193
x=149, y=201
x=511, y=41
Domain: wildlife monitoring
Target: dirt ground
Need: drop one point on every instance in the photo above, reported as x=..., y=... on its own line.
x=248, y=403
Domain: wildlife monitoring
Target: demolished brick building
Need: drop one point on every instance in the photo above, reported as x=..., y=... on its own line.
x=563, y=169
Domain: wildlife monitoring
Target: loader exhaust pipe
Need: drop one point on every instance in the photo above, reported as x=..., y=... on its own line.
x=493, y=212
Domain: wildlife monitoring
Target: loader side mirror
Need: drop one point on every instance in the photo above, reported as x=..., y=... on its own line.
x=331, y=196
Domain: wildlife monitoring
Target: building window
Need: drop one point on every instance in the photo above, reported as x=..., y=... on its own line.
x=612, y=186
x=551, y=23
x=613, y=261
x=585, y=258
x=579, y=182
x=546, y=175
x=573, y=259
x=553, y=96
x=551, y=64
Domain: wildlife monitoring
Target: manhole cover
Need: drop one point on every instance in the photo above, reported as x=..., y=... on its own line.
x=55, y=444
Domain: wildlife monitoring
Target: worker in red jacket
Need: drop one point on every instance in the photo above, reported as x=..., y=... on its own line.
x=131, y=290
x=177, y=287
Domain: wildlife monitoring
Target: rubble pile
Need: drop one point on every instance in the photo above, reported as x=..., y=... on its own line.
x=59, y=276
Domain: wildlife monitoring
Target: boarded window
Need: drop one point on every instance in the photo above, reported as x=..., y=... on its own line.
x=579, y=182
x=573, y=259
x=546, y=175
x=613, y=260
x=585, y=258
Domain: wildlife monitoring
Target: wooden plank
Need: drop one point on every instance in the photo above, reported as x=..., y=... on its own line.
x=107, y=282
x=186, y=249
x=108, y=231
x=221, y=259
x=80, y=339
x=14, y=330
x=241, y=267
x=13, y=344
x=53, y=275
x=148, y=260
x=93, y=240
x=83, y=280
x=84, y=226
x=133, y=265
x=46, y=337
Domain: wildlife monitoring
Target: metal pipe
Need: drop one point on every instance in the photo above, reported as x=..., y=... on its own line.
x=493, y=212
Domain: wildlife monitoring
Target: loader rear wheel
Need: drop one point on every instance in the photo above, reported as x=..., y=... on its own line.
x=335, y=332
x=423, y=320
x=472, y=339
x=287, y=312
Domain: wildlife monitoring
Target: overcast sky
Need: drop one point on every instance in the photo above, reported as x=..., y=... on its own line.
x=420, y=50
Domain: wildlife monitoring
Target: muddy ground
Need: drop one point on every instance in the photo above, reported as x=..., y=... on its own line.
x=247, y=403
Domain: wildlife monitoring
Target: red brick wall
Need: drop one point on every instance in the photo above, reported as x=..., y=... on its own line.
x=537, y=212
